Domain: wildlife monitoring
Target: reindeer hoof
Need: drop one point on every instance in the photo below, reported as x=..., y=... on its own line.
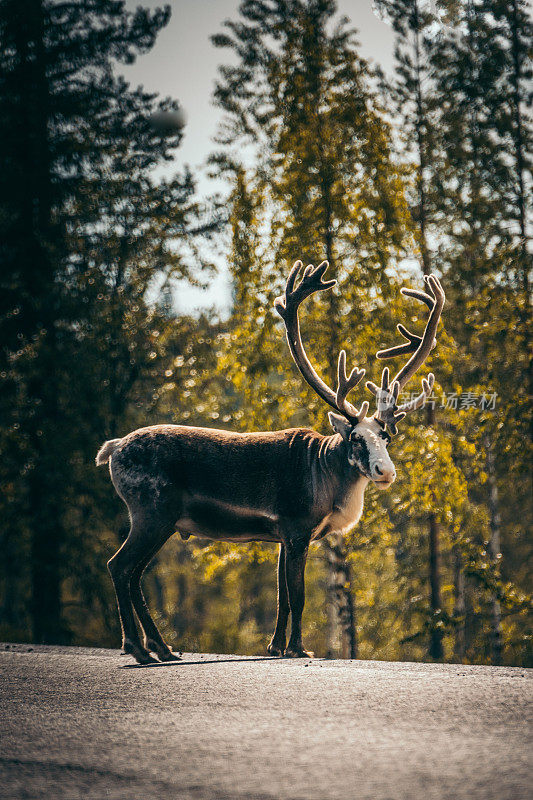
x=297, y=652
x=162, y=651
x=274, y=650
x=170, y=656
x=139, y=653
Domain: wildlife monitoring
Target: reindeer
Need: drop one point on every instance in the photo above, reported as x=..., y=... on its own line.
x=292, y=486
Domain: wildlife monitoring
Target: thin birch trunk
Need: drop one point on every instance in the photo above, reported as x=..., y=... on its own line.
x=459, y=610
x=333, y=639
x=494, y=550
x=341, y=635
x=436, y=650
x=435, y=645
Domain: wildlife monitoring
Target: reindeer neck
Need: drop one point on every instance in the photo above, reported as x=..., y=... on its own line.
x=336, y=475
x=338, y=488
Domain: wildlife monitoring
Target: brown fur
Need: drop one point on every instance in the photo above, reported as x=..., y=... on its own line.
x=284, y=486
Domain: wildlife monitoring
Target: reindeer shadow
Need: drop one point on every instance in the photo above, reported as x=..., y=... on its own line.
x=184, y=663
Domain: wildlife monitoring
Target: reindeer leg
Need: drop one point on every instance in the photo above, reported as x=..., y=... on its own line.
x=152, y=638
x=277, y=645
x=137, y=546
x=295, y=558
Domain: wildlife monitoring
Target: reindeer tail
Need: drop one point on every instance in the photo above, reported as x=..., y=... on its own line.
x=106, y=451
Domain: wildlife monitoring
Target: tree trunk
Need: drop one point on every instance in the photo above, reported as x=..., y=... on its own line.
x=341, y=611
x=421, y=146
x=340, y=602
x=459, y=610
x=494, y=550
x=46, y=563
x=521, y=191
x=421, y=125
x=435, y=646
x=333, y=637
x=40, y=253
x=517, y=78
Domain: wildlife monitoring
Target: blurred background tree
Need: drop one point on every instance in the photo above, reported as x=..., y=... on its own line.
x=320, y=156
x=85, y=233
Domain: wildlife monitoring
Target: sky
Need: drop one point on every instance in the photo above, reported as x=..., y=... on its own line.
x=183, y=64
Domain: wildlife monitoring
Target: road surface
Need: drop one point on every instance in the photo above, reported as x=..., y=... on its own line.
x=82, y=723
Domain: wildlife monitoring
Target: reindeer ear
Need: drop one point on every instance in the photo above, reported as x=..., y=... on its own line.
x=340, y=424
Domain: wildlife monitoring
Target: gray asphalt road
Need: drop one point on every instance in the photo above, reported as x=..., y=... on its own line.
x=80, y=723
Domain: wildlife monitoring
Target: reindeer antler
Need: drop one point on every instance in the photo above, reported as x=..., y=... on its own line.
x=386, y=396
x=388, y=412
x=287, y=307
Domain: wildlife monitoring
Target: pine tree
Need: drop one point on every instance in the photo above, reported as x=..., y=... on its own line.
x=510, y=108
x=514, y=29
x=75, y=152
x=480, y=247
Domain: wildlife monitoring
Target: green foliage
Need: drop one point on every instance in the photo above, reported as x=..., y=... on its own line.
x=433, y=167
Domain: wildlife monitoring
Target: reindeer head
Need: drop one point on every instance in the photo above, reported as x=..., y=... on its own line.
x=366, y=438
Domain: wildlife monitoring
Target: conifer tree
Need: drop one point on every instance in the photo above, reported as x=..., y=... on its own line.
x=480, y=83
x=81, y=227
x=509, y=106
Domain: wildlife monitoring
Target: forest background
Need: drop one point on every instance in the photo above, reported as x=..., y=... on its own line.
x=320, y=155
